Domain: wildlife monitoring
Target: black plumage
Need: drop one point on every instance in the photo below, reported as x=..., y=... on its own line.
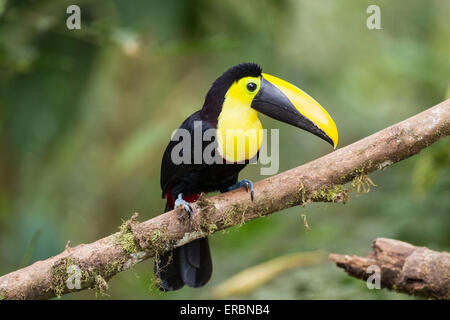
x=191, y=264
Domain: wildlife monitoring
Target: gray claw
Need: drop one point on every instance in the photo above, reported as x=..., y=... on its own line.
x=248, y=184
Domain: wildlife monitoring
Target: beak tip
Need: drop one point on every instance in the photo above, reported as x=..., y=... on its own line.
x=332, y=139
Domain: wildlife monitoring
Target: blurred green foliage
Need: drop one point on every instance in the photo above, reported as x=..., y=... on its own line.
x=86, y=114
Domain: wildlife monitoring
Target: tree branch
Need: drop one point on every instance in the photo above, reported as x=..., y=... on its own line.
x=403, y=267
x=319, y=180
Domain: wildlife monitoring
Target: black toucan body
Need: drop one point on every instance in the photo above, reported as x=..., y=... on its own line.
x=231, y=111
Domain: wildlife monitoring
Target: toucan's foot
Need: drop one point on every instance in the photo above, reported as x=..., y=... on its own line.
x=248, y=184
x=180, y=202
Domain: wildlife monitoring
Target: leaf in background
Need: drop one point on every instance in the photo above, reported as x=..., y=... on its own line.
x=251, y=278
x=2, y=6
x=430, y=167
x=28, y=256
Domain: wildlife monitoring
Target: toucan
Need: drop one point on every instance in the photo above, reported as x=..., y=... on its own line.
x=233, y=101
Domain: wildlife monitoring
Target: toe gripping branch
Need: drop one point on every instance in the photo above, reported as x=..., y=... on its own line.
x=248, y=184
x=183, y=203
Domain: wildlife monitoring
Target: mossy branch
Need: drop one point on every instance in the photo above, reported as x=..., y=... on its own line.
x=319, y=180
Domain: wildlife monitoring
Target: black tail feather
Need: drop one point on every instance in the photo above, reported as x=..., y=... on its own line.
x=166, y=269
x=195, y=263
x=189, y=264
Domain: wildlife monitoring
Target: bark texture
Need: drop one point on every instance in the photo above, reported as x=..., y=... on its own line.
x=319, y=180
x=403, y=267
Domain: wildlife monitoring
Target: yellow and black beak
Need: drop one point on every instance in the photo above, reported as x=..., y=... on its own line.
x=285, y=102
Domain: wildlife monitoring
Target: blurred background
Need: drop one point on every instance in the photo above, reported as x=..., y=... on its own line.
x=85, y=116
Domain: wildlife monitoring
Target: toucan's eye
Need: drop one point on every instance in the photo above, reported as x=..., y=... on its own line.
x=251, y=86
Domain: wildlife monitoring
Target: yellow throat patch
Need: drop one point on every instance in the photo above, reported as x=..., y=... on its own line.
x=239, y=131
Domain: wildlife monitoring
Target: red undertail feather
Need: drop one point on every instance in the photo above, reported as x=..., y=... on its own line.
x=188, y=198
